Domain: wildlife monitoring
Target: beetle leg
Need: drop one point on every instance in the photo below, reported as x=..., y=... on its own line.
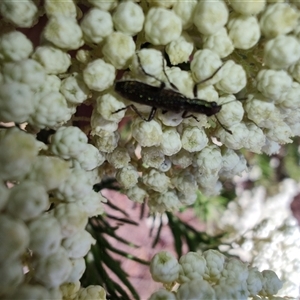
x=210, y=77
x=185, y=116
x=150, y=117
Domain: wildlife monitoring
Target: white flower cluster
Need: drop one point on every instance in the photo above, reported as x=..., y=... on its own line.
x=45, y=86
x=210, y=275
x=47, y=247
x=270, y=234
x=247, y=48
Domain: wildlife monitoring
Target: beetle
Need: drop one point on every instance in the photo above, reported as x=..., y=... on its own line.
x=162, y=97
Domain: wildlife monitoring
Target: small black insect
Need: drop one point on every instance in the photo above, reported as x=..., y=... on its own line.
x=164, y=98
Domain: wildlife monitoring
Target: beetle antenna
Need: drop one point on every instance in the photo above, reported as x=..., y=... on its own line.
x=226, y=129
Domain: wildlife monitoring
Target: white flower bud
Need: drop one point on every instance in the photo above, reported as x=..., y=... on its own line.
x=65, y=8
x=185, y=183
x=53, y=83
x=45, y=235
x=207, y=181
x=64, y=32
x=231, y=289
x=205, y=62
x=49, y=171
x=16, y=102
x=254, y=281
x=281, y=52
x=193, y=139
x=99, y=75
x=152, y=156
x=102, y=127
x=277, y=19
x=54, y=269
x=89, y=159
x=119, y=158
x=96, y=24
x=107, y=104
x=162, y=202
x=50, y=110
x=233, y=79
x=171, y=143
x=184, y=10
x=74, y=89
x=107, y=141
x=214, y=264
x=262, y=113
x=196, y=289
x=183, y=80
x=235, y=269
x=15, y=237
x=70, y=289
x=243, y=30
x=229, y=160
x=78, y=268
x=127, y=176
x=75, y=187
x=118, y=56
x=12, y=276
x=271, y=283
x=162, y=26
x=246, y=7
x=147, y=134
x=53, y=60
x=15, y=163
x=271, y=147
x=92, y=204
x=14, y=45
x=68, y=142
x=136, y=194
x=22, y=14
x=240, y=167
x=27, y=200
x=280, y=133
x=192, y=266
x=151, y=60
x=79, y=244
x=128, y=18
x=187, y=199
x=209, y=17
x=219, y=42
x=179, y=50
x=290, y=99
x=231, y=113
x=92, y=291
x=104, y=5
x=164, y=267
x=157, y=181
x=256, y=138
x=209, y=160
x=71, y=218
x=182, y=159
x=273, y=84
x=235, y=140
x=27, y=71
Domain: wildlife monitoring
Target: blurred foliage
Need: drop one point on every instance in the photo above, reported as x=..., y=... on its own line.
x=101, y=261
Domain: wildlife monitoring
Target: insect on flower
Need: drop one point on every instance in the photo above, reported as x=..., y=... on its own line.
x=167, y=99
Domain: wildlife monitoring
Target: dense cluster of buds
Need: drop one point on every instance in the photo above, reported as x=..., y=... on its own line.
x=253, y=50
x=210, y=276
